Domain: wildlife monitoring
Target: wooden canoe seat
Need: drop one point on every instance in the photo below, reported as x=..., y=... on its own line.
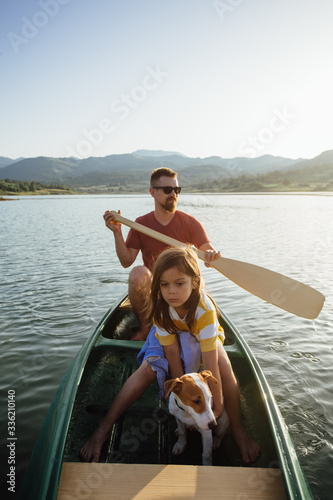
x=148, y=482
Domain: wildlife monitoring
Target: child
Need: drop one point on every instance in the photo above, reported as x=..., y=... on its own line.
x=185, y=333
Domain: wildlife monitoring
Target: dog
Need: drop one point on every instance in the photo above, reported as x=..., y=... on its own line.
x=191, y=404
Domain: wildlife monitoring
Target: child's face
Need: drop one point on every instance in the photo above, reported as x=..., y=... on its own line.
x=176, y=287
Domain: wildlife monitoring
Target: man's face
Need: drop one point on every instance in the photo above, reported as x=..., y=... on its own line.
x=167, y=201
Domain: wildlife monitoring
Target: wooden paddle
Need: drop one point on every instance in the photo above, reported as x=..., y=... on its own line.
x=275, y=288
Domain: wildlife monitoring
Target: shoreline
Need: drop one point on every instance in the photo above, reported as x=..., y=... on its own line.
x=189, y=193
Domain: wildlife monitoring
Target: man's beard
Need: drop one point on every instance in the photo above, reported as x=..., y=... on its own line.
x=170, y=205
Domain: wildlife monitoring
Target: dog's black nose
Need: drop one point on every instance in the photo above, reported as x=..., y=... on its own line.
x=212, y=424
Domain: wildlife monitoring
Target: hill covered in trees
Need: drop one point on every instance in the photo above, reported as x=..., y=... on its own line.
x=9, y=187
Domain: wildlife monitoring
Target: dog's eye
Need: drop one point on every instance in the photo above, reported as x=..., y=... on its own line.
x=197, y=401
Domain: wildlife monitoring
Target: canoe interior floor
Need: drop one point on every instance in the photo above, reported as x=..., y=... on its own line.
x=145, y=434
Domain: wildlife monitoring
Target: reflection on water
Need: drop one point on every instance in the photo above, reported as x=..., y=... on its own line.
x=62, y=274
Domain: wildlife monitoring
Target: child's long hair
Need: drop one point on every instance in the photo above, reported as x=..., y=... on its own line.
x=185, y=259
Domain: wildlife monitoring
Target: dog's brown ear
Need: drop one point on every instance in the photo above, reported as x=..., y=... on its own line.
x=174, y=385
x=207, y=375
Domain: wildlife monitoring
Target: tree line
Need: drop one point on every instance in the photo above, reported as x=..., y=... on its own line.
x=14, y=186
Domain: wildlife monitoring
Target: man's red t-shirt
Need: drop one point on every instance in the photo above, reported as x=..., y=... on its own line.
x=183, y=227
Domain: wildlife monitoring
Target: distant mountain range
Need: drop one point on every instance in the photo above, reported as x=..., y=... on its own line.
x=136, y=167
x=4, y=162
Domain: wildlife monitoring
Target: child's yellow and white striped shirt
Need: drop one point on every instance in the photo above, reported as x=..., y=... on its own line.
x=206, y=328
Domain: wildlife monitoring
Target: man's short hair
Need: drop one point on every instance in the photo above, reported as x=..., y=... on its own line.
x=161, y=172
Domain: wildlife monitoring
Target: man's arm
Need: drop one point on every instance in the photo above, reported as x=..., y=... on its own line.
x=125, y=255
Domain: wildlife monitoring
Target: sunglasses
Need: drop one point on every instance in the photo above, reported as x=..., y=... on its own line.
x=169, y=189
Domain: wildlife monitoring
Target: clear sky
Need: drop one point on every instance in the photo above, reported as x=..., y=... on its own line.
x=200, y=77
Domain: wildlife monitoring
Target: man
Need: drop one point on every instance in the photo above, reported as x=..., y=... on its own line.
x=165, y=219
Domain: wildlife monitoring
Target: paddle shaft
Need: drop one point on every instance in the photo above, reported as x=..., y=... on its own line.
x=275, y=288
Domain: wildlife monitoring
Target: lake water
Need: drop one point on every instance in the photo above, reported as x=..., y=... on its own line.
x=60, y=274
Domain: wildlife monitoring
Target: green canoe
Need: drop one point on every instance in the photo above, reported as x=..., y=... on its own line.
x=136, y=461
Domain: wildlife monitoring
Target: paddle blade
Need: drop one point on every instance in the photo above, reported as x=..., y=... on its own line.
x=277, y=289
